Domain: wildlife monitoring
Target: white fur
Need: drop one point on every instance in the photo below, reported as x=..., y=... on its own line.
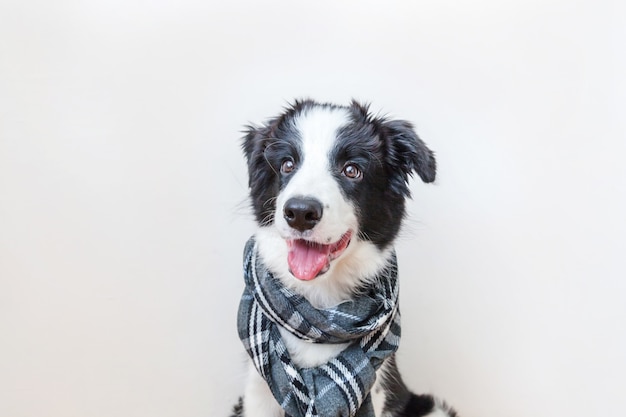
x=258, y=399
x=440, y=410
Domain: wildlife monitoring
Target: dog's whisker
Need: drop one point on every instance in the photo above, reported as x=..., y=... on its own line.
x=270, y=202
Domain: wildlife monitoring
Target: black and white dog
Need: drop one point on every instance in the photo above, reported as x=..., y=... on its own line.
x=328, y=185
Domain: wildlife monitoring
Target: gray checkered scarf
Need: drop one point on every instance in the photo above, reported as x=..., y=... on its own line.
x=340, y=387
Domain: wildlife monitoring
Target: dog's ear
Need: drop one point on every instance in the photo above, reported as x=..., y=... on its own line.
x=407, y=153
x=253, y=140
x=253, y=145
x=261, y=176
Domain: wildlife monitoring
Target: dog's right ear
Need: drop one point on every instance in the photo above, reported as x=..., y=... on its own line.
x=253, y=145
x=252, y=140
x=261, y=176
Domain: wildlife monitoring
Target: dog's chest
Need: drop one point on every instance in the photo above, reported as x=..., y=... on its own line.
x=306, y=354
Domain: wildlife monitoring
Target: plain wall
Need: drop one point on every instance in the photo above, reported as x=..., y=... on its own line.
x=123, y=207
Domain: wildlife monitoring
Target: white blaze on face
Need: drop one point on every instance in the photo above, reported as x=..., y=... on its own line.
x=314, y=178
x=311, y=251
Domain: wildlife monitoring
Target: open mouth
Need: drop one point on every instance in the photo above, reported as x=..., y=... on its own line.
x=307, y=259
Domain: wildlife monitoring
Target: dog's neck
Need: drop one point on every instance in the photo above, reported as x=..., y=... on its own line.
x=360, y=263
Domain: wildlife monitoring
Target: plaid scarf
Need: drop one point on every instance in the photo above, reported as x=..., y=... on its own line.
x=340, y=387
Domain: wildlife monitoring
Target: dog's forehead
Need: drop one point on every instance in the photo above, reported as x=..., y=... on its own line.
x=318, y=127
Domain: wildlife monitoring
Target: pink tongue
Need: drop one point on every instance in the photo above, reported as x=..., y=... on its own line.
x=306, y=260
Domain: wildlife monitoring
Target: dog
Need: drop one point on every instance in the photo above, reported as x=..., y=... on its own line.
x=328, y=185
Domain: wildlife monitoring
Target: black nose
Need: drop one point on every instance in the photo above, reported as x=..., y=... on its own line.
x=302, y=213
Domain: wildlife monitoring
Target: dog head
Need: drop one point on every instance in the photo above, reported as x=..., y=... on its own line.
x=328, y=181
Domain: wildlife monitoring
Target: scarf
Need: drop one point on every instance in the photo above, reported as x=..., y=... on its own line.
x=340, y=387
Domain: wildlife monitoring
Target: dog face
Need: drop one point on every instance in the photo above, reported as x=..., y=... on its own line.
x=327, y=180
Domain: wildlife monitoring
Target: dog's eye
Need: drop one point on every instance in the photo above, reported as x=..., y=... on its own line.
x=352, y=171
x=287, y=166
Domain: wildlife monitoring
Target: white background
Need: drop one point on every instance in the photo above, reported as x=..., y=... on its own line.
x=123, y=212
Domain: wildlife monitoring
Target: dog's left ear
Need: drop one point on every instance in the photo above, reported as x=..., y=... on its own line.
x=406, y=151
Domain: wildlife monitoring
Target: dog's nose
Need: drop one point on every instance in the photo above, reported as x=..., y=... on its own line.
x=302, y=213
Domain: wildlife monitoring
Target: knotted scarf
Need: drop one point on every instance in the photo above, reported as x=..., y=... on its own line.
x=339, y=388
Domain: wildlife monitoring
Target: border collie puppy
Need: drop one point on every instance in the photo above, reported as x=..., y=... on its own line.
x=319, y=316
